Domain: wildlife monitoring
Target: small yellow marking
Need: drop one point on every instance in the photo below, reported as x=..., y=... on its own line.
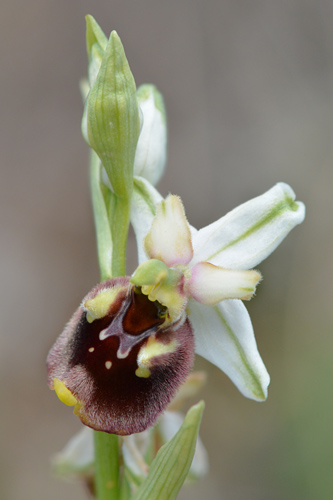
x=151, y=350
x=64, y=394
x=91, y=349
x=98, y=306
x=108, y=364
x=90, y=318
x=142, y=372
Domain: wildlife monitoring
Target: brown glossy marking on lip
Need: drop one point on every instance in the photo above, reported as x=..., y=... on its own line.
x=150, y=314
x=100, y=341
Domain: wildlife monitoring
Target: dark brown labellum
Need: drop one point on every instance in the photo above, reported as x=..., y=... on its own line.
x=123, y=368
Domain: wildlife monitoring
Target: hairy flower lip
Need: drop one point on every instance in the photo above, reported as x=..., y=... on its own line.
x=114, y=395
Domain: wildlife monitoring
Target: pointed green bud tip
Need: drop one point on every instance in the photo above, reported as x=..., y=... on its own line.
x=173, y=461
x=96, y=42
x=110, y=122
x=150, y=156
x=94, y=35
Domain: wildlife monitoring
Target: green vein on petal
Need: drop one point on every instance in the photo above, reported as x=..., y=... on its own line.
x=141, y=190
x=255, y=387
x=287, y=204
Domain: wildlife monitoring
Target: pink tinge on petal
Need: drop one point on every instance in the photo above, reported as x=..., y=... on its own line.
x=210, y=284
x=169, y=238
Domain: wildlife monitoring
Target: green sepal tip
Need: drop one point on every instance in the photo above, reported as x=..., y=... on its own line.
x=94, y=35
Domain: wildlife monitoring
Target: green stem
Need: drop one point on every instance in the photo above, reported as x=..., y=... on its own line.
x=102, y=224
x=106, y=466
x=119, y=220
x=112, y=217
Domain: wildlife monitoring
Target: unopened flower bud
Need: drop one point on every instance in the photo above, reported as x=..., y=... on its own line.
x=110, y=122
x=150, y=155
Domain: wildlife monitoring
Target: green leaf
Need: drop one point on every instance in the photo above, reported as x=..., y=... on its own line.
x=173, y=461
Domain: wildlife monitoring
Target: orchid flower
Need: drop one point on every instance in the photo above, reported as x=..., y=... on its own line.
x=130, y=344
x=203, y=274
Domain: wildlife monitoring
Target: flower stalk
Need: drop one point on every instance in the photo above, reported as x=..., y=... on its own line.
x=120, y=219
x=106, y=466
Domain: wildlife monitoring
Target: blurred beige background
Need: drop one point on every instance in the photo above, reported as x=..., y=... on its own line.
x=249, y=92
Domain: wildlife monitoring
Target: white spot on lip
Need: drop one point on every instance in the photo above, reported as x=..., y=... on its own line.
x=108, y=364
x=103, y=334
x=91, y=349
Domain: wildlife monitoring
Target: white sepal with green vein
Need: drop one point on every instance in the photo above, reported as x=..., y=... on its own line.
x=238, y=241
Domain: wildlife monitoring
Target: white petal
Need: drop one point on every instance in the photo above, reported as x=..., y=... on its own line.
x=224, y=336
x=84, y=88
x=143, y=209
x=150, y=155
x=134, y=448
x=169, y=424
x=84, y=123
x=249, y=233
x=210, y=284
x=169, y=238
x=78, y=454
